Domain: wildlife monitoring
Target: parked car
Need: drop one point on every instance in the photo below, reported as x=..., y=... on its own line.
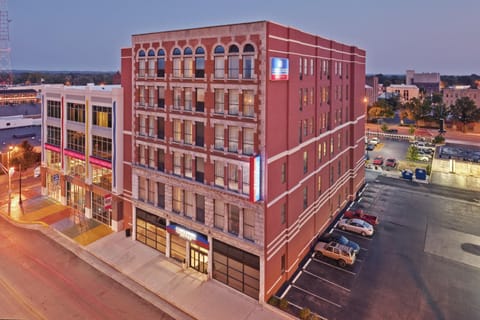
x=342, y=254
x=378, y=161
x=392, y=131
x=391, y=162
x=374, y=141
x=424, y=158
x=360, y=214
x=370, y=147
x=356, y=225
x=330, y=237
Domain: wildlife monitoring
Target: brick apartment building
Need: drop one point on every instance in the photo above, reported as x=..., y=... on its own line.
x=241, y=143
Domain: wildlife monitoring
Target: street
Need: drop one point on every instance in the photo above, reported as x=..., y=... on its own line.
x=39, y=279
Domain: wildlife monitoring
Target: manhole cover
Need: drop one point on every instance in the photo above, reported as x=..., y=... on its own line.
x=471, y=248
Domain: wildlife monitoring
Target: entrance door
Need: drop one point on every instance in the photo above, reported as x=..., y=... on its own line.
x=198, y=258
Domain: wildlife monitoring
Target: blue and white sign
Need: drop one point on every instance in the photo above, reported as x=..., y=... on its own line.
x=255, y=179
x=279, y=69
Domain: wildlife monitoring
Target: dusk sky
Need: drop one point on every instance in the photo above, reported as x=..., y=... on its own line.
x=424, y=35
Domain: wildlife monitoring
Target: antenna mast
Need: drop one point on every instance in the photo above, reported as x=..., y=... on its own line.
x=6, y=76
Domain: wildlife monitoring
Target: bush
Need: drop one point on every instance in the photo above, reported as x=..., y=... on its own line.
x=305, y=314
x=283, y=304
x=439, y=139
x=273, y=301
x=429, y=169
x=313, y=317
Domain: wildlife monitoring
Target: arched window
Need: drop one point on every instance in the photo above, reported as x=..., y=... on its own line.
x=199, y=62
x=248, y=59
x=141, y=63
x=161, y=63
x=219, y=50
x=151, y=63
x=151, y=53
x=233, y=62
x=187, y=62
x=177, y=66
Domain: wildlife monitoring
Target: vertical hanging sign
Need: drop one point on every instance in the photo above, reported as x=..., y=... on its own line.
x=255, y=179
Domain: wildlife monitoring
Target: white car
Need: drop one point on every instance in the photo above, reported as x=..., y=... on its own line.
x=356, y=225
x=374, y=141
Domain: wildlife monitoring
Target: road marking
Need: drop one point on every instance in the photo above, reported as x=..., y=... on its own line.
x=286, y=291
x=333, y=266
x=318, y=297
x=21, y=300
x=328, y=281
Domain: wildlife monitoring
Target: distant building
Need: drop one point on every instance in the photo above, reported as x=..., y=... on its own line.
x=403, y=91
x=82, y=164
x=372, y=89
x=451, y=94
x=428, y=83
x=10, y=96
x=241, y=146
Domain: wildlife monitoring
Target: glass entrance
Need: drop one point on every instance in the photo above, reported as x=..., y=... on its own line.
x=198, y=258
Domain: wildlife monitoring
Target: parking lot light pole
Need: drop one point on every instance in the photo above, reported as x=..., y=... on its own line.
x=9, y=181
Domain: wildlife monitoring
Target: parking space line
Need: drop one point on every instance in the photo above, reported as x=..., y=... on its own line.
x=328, y=281
x=318, y=297
x=338, y=268
x=286, y=291
x=297, y=276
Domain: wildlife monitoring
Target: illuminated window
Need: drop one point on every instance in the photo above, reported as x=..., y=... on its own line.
x=102, y=116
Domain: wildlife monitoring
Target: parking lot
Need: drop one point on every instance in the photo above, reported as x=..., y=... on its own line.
x=423, y=262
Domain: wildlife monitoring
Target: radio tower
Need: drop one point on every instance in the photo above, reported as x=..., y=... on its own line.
x=6, y=76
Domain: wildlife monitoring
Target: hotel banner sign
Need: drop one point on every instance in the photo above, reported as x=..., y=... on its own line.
x=279, y=69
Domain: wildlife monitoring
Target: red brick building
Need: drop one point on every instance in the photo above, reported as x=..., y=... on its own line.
x=247, y=140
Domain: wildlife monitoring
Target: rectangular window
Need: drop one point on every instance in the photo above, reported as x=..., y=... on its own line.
x=283, y=213
x=305, y=198
x=233, y=102
x=248, y=144
x=161, y=97
x=161, y=160
x=102, y=147
x=177, y=163
x=151, y=67
x=142, y=188
x=248, y=63
x=141, y=154
x=200, y=208
x=187, y=160
x=54, y=109
x=283, y=264
x=199, y=134
x=189, y=204
x=161, y=67
x=219, y=215
x=199, y=169
x=76, y=141
x=102, y=116
x=141, y=96
x=177, y=130
x=200, y=100
x=188, y=135
x=319, y=185
x=232, y=177
x=219, y=101
x=177, y=98
x=76, y=112
x=248, y=103
x=233, y=139
x=246, y=180
x=187, y=67
x=151, y=126
x=233, y=66
x=187, y=92
x=151, y=96
x=161, y=128
x=283, y=176
x=177, y=67
x=248, y=224
x=151, y=157
x=151, y=191
x=219, y=173
x=233, y=219
x=319, y=151
x=54, y=136
x=219, y=137
x=141, y=68
x=177, y=200
x=143, y=125
x=161, y=195
x=305, y=162
x=199, y=67
x=219, y=67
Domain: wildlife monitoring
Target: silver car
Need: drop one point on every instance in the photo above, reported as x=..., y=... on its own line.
x=356, y=225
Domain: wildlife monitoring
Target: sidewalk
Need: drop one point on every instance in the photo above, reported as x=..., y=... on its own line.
x=183, y=293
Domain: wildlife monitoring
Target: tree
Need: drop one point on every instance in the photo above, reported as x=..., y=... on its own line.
x=412, y=153
x=24, y=156
x=420, y=109
x=465, y=111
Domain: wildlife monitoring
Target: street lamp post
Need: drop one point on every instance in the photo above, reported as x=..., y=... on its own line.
x=9, y=181
x=20, y=185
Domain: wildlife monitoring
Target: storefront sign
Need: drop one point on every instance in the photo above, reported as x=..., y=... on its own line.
x=255, y=179
x=279, y=69
x=189, y=235
x=107, y=201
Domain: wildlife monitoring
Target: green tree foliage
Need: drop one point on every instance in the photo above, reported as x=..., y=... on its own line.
x=420, y=110
x=465, y=111
x=412, y=153
x=380, y=109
